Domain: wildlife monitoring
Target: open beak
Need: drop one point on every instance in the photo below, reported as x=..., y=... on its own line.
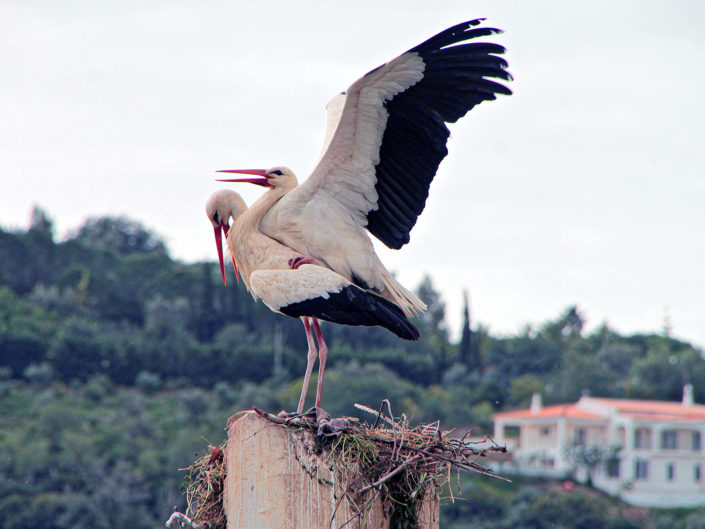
x=263, y=179
x=219, y=246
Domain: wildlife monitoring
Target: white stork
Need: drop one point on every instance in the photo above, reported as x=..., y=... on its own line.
x=385, y=137
x=299, y=288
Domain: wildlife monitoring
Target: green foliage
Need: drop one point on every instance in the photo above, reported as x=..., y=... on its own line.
x=351, y=383
x=25, y=332
x=98, y=456
x=522, y=388
x=663, y=368
x=557, y=510
x=39, y=375
x=40, y=221
x=118, y=234
x=531, y=503
x=580, y=373
x=116, y=361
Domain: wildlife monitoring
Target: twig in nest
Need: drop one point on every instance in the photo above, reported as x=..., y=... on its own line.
x=395, y=462
x=395, y=452
x=379, y=414
x=389, y=475
x=270, y=417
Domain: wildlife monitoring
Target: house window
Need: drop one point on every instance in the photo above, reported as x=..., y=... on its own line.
x=670, y=471
x=642, y=438
x=511, y=431
x=697, y=442
x=641, y=469
x=612, y=469
x=668, y=440
x=580, y=436
x=697, y=473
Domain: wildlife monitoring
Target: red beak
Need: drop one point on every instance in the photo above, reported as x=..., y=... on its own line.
x=262, y=181
x=219, y=246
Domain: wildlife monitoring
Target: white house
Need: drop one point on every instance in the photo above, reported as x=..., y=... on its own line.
x=653, y=452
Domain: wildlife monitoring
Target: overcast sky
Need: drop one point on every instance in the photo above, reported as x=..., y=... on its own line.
x=586, y=187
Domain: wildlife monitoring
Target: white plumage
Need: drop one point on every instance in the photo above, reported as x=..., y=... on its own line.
x=281, y=288
x=309, y=291
x=384, y=140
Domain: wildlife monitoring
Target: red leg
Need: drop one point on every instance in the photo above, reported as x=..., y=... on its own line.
x=310, y=360
x=322, y=357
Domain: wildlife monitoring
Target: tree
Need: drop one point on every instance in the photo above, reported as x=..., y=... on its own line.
x=569, y=325
x=526, y=353
x=588, y=458
x=75, y=351
x=469, y=347
x=40, y=221
x=523, y=387
x=119, y=234
x=581, y=372
x=667, y=365
x=436, y=332
x=25, y=332
x=204, y=321
x=435, y=314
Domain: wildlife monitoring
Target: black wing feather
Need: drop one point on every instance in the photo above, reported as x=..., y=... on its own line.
x=354, y=306
x=456, y=78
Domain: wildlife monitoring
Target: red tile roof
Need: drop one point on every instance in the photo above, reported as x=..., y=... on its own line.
x=559, y=410
x=639, y=410
x=655, y=410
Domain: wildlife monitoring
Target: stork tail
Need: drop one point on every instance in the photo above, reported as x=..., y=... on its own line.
x=407, y=301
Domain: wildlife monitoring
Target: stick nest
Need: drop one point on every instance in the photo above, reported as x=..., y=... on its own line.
x=204, y=492
x=401, y=463
x=389, y=459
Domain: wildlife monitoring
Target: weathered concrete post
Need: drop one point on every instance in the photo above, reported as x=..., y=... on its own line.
x=274, y=480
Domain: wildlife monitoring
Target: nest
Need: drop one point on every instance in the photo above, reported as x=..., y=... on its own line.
x=204, y=493
x=388, y=460
x=401, y=464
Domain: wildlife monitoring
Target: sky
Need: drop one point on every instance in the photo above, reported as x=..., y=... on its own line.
x=586, y=186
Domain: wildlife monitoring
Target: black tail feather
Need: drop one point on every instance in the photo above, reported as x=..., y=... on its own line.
x=354, y=306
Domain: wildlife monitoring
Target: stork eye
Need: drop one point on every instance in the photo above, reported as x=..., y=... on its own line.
x=276, y=172
x=215, y=217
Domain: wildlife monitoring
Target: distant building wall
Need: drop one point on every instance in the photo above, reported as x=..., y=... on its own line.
x=653, y=451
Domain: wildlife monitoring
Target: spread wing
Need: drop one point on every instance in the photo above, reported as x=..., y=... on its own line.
x=386, y=135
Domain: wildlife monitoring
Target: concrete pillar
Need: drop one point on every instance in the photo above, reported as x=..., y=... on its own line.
x=274, y=480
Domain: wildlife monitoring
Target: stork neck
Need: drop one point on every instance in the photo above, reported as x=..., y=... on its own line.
x=245, y=231
x=260, y=208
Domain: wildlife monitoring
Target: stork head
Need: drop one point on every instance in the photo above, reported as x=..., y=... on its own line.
x=276, y=177
x=222, y=206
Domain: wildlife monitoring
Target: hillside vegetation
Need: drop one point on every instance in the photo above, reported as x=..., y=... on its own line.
x=118, y=364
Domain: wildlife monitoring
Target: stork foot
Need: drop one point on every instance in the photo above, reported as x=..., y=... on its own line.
x=319, y=419
x=328, y=427
x=299, y=260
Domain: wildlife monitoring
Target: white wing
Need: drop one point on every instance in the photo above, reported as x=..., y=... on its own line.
x=318, y=292
x=334, y=109
x=390, y=136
